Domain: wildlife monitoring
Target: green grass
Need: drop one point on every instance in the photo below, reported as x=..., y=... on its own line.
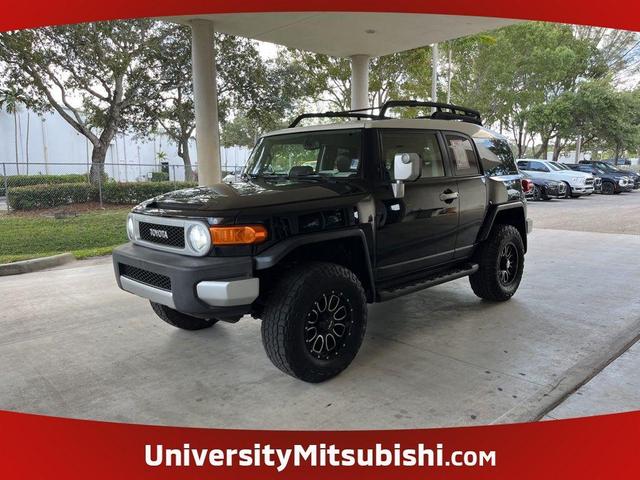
x=87, y=235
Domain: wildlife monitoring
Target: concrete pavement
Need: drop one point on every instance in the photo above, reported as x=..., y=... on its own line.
x=615, y=389
x=72, y=344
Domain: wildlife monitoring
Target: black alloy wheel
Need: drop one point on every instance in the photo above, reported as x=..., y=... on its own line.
x=327, y=325
x=508, y=264
x=608, y=188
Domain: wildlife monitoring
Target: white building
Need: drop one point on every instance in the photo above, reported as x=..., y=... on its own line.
x=47, y=144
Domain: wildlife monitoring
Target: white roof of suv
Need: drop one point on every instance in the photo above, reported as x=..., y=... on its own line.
x=470, y=129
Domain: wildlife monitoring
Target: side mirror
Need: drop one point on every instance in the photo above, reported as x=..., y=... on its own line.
x=406, y=168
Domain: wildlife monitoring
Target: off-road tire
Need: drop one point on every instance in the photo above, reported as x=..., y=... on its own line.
x=291, y=306
x=486, y=282
x=181, y=320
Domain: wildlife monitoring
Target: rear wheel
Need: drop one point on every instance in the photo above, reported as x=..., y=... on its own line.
x=501, y=263
x=181, y=320
x=314, y=321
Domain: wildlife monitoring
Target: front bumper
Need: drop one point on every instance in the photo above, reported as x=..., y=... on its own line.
x=581, y=189
x=198, y=286
x=555, y=191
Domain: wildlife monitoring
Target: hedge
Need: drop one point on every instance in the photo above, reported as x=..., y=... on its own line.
x=26, y=180
x=50, y=196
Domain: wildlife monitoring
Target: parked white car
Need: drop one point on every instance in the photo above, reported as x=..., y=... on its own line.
x=578, y=183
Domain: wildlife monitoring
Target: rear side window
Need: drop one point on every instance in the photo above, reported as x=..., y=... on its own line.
x=496, y=156
x=462, y=155
x=425, y=144
x=538, y=167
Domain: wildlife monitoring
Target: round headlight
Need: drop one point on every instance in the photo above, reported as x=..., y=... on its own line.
x=130, y=228
x=199, y=238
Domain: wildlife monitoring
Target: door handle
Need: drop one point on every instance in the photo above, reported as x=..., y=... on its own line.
x=449, y=196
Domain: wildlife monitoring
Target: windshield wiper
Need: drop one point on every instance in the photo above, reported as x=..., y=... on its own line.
x=313, y=178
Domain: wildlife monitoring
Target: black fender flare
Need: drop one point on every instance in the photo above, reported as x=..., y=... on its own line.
x=273, y=255
x=492, y=215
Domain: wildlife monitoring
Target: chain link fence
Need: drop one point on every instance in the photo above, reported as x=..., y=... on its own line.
x=72, y=185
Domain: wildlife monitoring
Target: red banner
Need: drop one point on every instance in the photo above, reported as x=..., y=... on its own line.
x=38, y=447
x=615, y=14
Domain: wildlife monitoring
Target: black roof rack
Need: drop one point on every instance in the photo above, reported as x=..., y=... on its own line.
x=345, y=114
x=442, y=111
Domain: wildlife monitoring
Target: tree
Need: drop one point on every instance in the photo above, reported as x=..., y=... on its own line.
x=94, y=75
x=248, y=87
x=328, y=79
x=9, y=100
x=521, y=70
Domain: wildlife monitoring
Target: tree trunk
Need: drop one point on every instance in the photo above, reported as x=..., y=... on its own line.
x=98, y=155
x=542, y=151
x=15, y=139
x=27, y=140
x=183, y=152
x=556, y=149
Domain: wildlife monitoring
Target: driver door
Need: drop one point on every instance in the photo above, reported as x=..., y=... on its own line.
x=417, y=231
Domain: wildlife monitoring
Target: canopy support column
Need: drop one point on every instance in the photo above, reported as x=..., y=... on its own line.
x=205, y=96
x=359, y=82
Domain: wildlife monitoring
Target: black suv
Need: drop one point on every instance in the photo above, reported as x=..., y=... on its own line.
x=327, y=219
x=612, y=182
x=608, y=168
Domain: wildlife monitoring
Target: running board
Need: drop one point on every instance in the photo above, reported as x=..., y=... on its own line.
x=421, y=284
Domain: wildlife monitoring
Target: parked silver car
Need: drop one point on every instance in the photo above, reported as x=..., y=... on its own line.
x=578, y=183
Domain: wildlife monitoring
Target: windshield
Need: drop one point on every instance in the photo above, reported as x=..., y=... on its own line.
x=606, y=167
x=555, y=166
x=335, y=154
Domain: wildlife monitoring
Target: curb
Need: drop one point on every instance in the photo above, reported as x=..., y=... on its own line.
x=549, y=397
x=35, y=264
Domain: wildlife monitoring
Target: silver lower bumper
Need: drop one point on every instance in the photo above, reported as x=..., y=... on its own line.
x=218, y=293
x=529, y=225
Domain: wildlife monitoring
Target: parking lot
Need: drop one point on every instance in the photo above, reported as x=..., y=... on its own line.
x=72, y=344
x=594, y=213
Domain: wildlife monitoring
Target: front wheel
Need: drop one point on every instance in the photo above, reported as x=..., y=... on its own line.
x=314, y=321
x=608, y=188
x=501, y=263
x=537, y=193
x=181, y=320
x=568, y=191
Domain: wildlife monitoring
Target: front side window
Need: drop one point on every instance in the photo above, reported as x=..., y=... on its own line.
x=462, y=155
x=336, y=153
x=425, y=144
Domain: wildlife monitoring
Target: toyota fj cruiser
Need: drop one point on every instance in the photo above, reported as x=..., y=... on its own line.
x=327, y=219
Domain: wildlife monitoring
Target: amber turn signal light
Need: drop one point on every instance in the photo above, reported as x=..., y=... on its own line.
x=238, y=235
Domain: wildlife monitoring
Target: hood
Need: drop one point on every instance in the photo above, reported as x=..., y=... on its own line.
x=252, y=194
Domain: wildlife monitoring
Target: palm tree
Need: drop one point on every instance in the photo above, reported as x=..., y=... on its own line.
x=9, y=99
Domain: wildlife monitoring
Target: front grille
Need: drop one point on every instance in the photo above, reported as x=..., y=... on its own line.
x=170, y=235
x=589, y=181
x=144, y=276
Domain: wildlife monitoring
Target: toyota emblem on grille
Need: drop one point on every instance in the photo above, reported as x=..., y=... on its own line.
x=154, y=232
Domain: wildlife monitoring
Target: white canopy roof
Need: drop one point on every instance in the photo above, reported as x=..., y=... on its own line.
x=343, y=34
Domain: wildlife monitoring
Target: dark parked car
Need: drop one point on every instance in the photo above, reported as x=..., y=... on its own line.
x=328, y=219
x=610, y=169
x=544, y=189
